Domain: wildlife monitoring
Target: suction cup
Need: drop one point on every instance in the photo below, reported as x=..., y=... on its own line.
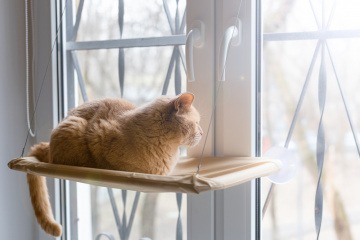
x=289, y=161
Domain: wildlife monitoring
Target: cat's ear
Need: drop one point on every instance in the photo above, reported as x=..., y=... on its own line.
x=184, y=101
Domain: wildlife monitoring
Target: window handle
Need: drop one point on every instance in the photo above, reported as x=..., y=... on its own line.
x=231, y=36
x=195, y=38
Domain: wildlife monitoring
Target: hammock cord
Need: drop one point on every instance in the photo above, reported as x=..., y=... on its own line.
x=46, y=70
x=29, y=24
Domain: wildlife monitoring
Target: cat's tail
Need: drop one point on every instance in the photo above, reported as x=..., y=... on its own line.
x=39, y=193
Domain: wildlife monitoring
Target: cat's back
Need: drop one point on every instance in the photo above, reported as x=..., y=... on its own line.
x=102, y=108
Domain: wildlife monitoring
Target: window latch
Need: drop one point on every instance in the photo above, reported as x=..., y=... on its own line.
x=195, y=39
x=232, y=35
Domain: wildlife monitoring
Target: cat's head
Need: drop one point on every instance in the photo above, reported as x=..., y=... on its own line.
x=187, y=119
x=175, y=120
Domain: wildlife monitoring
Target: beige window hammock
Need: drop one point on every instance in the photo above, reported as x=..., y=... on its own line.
x=215, y=173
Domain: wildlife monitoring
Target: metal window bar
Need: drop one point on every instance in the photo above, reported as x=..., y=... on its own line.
x=77, y=21
x=320, y=142
x=124, y=225
x=314, y=35
x=176, y=57
x=121, y=58
x=80, y=78
x=127, y=43
x=321, y=35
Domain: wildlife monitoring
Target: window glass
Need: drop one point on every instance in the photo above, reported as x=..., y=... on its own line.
x=310, y=82
x=138, y=74
x=144, y=77
x=100, y=20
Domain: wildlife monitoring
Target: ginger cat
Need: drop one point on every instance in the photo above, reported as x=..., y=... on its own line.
x=114, y=134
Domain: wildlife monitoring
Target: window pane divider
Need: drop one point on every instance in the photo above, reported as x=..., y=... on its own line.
x=312, y=35
x=127, y=43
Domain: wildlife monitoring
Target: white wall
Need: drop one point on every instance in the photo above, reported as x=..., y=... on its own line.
x=16, y=215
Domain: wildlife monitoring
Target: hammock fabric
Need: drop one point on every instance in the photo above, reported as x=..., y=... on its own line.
x=215, y=173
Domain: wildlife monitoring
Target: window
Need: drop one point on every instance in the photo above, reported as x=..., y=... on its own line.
x=110, y=49
x=113, y=37
x=307, y=46
x=309, y=105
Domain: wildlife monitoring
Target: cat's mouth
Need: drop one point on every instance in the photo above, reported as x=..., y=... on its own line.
x=194, y=141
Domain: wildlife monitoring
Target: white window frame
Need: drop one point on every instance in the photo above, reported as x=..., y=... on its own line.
x=233, y=213
x=47, y=109
x=225, y=214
